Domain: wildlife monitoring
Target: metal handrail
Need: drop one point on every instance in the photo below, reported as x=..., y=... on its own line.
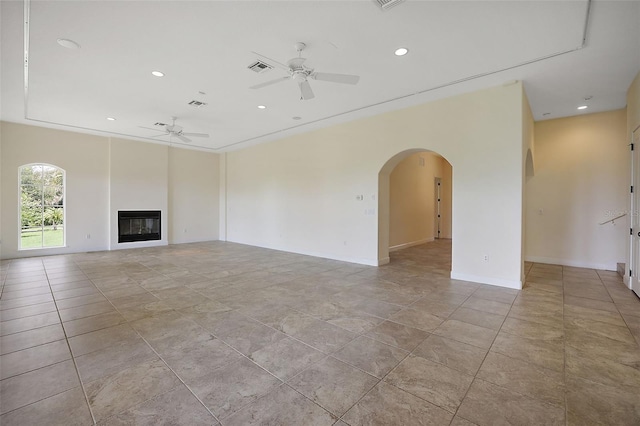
x=611, y=220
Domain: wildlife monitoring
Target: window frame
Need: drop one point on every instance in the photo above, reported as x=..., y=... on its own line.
x=42, y=206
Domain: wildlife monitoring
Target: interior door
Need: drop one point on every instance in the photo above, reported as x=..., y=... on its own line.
x=635, y=216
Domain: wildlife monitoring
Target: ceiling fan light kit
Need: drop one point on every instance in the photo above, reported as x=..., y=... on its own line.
x=300, y=73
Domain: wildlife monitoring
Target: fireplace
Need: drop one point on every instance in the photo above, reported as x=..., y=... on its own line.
x=141, y=225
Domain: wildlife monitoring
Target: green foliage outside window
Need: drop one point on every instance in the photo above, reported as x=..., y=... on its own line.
x=41, y=206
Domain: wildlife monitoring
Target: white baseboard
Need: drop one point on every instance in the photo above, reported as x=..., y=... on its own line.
x=500, y=282
x=575, y=263
x=411, y=244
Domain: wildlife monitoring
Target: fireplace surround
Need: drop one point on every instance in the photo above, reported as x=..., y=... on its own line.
x=138, y=225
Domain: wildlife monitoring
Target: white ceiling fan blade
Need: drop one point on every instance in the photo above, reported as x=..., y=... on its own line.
x=269, y=83
x=305, y=90
x=196, y=135
x=183, y=138
x=157, y=129
x=336, y=78
x=272, y=62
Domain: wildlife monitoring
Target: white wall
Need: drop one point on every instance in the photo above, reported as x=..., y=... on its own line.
x=301, y=194
x=193, y=196
x=412, y=200
x=139, y=179
x=581, y=179
x=85, y=161
x=104, y=175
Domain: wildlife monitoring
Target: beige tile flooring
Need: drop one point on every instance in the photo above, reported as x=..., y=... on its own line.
x=217, y=332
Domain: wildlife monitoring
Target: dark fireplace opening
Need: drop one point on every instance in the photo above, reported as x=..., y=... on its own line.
x=142, y=225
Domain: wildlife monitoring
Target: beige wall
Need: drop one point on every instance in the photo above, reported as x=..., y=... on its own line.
x=317, y=193
x=104, y=175
x=633, y=105
x=193, y=196
x=412, y=200
x=581, y=179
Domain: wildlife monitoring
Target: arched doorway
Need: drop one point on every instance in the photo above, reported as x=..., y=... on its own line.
x=415, y=204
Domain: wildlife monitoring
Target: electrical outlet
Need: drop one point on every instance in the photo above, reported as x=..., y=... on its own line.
x=88, y=236
x=486, y=257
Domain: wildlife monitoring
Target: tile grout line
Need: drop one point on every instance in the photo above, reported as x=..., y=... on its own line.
x=475, y=376
x=409, y=353
x=282, y=382
x=357, y=336
x=159, y=357
x=75, y=365
x=637, y=339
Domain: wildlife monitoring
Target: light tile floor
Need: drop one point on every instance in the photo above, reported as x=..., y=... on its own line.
x=217, y=332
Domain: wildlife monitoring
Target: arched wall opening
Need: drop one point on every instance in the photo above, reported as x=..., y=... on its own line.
x=414, y=201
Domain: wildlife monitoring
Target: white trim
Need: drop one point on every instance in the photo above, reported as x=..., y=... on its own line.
x=500, y=282
x=411, y=244
x=573, y=263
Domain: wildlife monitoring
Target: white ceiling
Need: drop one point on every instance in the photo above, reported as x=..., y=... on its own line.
x=206, y=46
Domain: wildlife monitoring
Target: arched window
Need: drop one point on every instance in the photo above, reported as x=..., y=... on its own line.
x=41, y=206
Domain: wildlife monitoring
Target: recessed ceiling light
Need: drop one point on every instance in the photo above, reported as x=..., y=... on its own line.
x=111, y=119
x=582, y=107
x=297, y=118
x=261, y=107
x=69, y=44
x=401, y=51
x=157, y=73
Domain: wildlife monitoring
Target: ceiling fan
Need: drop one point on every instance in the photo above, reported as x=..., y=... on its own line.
x=300, y=73
x=173, y=130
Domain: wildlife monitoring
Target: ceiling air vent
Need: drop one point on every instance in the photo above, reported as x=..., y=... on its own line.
x=197, y=104
x=260, y=67
x=387, y=4
x=159, y=124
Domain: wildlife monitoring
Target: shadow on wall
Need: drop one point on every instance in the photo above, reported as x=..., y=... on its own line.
x=529, y=169
x=408, y=201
